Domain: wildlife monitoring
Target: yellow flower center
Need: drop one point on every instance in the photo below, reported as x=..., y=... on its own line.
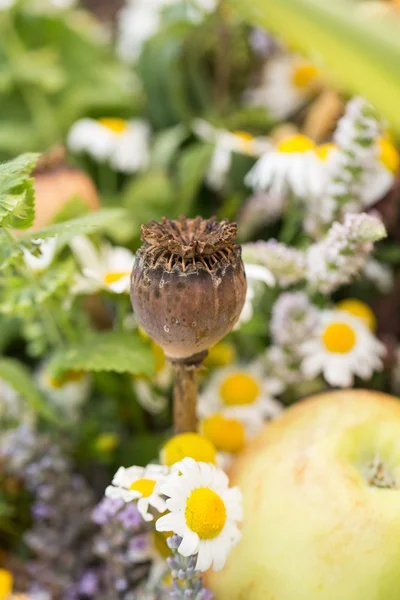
x=323, y=150
x=360, y=310
x=107, y=442
x=115, y=124
x=339, y=338
x=6, y=582
x=295, y=143
x=303, y=75
x=227, y=435
x=110, y=278
x=246, y=140
x=145, y=487
x=239, y=388
x=388, y=155
x=220, y=355
x=205, y=513
x=66, y=377
x=188, y=444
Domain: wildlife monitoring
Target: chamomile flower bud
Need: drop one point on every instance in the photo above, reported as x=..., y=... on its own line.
x=360, y=310
x=6, y=583
x=227, y=435
x=197, y=446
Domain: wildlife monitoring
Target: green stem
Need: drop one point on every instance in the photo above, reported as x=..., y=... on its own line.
x=51, y=326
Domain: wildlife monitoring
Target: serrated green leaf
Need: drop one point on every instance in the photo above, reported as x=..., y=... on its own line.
x=18, y=376
x=21, y=295
x=192, y=168
x=118, y=351
x=17, y=199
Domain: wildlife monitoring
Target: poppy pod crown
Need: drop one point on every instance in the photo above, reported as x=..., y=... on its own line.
x=188, y=284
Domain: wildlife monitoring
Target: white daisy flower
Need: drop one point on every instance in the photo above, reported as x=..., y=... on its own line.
x=287, y=82
x=138, y=21
x=41, y=260
x=379, y=178
x=342, y=348
x=204, y=512
x=227, y=142
x=255, y=274
x=67, y=392
x=242, y=393
x=123, y=144
x=108, y=268
x=292, y=165
x=141, y=484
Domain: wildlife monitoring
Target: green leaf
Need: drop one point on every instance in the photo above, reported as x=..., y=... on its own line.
x=360, y=53
x=20, y=295
x=192, y=168
x=17, y=199
x=79, y=226
x=20, y=379
x=118, y=351
x=167, y=144
x=149, y=196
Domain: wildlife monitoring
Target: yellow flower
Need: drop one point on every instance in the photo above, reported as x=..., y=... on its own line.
x=193, y=445
x=220, y=355
x=6, y=582
x=359, y=309
x=295, y=143
x=227, y=435
x=106, y=442
x=304, y=75
x=388, y=154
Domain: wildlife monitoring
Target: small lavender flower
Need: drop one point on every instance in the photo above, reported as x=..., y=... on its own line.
x=60, y=536
x=262, y=42
x=124, y=547
x=186, y=581
x=343, y=253
x=287, y=264
x=293, y=319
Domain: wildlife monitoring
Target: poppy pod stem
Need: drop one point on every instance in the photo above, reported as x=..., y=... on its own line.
x=185, y=398
x=188, y=290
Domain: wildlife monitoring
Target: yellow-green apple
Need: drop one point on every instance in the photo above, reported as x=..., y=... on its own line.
x=321, y=489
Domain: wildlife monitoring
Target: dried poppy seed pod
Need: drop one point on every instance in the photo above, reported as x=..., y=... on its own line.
x=188, y=284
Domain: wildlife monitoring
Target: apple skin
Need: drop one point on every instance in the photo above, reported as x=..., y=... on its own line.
x=313, y=528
